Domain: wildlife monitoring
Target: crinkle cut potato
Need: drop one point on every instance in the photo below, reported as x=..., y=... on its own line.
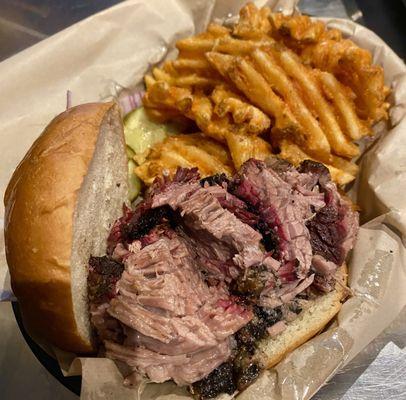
x=274, y=80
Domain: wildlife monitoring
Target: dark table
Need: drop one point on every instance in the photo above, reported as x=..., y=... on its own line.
x=25, y=22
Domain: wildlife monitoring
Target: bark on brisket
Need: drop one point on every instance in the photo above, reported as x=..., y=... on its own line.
x=104, y=272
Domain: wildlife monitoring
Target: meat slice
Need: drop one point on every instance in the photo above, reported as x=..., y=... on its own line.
x=333, y=229
x=283, y=206
x=275, y=297
x=276, y=329
x=175, y=325
x=323, y=267
x=202, y=213
x=182, y=368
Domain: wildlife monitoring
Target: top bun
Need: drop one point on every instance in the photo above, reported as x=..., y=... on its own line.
x=50, y=197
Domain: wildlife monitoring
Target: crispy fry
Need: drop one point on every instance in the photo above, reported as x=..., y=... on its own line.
x=191, y=63
x=253, y=23
x=202, y=110
x=260, y=93
x=334, y=90
x=292, y=153
x=339, y=143
x=233, y=46
x=221, y=62
x=210, y=146
x=353, y=67
x=160, y=75
x=327, y=50
x=217, y=30
x=184, y=80
x=299, y=27
x=227, y=101
x=196, y=44
x=313, y=136
x=254, y=87
x=162, y=115
x=243, y=147
x=186, y=151
x=149, y=81
x=162, y=95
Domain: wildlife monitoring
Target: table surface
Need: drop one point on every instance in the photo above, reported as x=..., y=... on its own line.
x=24, y=23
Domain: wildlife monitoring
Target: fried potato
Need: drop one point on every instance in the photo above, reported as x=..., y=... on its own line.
x=311, y=134
x=313, y=92
x=296, y=70
x=187, y=151
x=166, y=96
x=295, y=155
x=243, y=147
x=353, y=67
x=162, y=115
x=299, y=27
x=227, y=101
x=259, y=92
x=198, y=63
x=236, y=47
x=277, y=83
x=338, y=95
x=253, y=23
x=327, y=50
x=211, y=147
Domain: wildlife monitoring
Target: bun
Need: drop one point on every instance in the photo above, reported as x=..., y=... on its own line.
x=308, y=324
x=59, y=206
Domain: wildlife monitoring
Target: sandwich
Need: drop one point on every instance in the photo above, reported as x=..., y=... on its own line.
x=205, y=281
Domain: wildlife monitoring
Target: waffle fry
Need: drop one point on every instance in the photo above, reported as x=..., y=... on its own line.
x=339, y=143
x=329, y=51
x=288, y=79
x=353, y=67
x=338, y=95
x=187, y=151
x=300, y=29
x=227, y=101
x=243, y=147
x=311, y=132
x=253, y=23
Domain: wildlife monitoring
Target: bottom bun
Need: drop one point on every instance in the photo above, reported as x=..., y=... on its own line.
x=308, y=324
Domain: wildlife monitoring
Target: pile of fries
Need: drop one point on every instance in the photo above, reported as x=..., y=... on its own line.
x=271, y=84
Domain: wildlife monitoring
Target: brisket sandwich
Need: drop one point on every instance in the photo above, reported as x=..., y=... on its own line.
x=205, y=282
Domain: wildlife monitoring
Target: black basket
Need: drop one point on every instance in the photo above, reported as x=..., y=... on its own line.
x=73, y=383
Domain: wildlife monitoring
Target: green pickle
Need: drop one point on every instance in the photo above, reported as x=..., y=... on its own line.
x=140, y=135
x=134, y=183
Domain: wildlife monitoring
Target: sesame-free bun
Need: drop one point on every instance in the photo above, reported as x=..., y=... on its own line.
x=310, y=322
x=59, y=206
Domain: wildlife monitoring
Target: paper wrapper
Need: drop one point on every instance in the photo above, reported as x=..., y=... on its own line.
x=114, y=49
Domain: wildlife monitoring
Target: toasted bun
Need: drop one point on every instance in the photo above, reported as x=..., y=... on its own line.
x=60, y=203
x=308, y=324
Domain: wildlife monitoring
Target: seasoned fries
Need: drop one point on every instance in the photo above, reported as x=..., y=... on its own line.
x=270, y=79
x=328, y=51
x=243, y=147
x=188, y=151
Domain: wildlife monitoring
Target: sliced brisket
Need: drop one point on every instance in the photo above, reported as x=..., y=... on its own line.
x=201, y=270
x=283, y=206
x=203, y=214
x=177, y=324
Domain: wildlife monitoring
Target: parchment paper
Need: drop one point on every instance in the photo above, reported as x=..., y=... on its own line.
x=113, y=49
